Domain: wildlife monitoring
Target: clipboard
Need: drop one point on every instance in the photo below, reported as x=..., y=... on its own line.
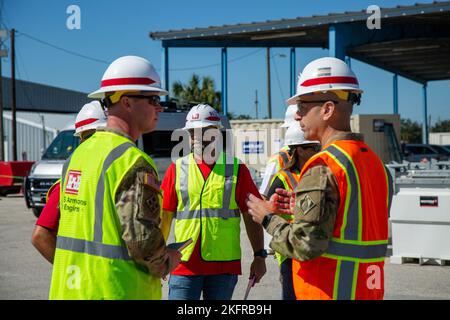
x=251, y=283
x=179, y=245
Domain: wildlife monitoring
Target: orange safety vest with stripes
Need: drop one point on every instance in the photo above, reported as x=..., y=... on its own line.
x=353, y=265
x=281, y=158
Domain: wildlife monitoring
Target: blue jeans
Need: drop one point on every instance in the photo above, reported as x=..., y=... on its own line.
x=214, y=287
x=287, y=285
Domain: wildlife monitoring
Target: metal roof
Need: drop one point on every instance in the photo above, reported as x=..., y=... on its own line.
x=42, y=98
x=414, y=41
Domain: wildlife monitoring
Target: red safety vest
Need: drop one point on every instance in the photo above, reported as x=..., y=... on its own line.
x=353, y=265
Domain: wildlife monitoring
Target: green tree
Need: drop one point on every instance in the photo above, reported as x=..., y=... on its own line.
x=441, y=126
x=233, y=116
x=410, y=131
x=198, y=91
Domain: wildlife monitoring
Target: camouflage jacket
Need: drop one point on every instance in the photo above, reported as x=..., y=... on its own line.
x=316, y=207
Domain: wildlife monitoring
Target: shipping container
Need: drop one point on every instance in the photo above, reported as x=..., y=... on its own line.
x=440, y=138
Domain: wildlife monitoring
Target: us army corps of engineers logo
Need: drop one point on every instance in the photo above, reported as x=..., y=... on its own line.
x=73, y=182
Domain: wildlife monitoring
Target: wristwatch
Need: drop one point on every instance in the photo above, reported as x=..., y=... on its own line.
x=266, y=220
x=261, y=253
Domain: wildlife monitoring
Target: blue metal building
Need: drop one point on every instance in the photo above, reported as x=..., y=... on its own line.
x=413, y=42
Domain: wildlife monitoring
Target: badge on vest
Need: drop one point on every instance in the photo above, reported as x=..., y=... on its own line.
x=151, y=181
x=73, y=182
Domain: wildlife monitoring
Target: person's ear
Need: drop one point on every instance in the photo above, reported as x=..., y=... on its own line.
x=328, y=110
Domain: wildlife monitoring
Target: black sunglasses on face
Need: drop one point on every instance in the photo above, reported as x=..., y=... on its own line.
x=301, y=105
x=153, y=100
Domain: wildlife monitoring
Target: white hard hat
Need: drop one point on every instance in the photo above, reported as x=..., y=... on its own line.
x=289, y=116
x=325, y=74
x=90, y=116
x=202, y=116
x=129, y=73
x=295, y=136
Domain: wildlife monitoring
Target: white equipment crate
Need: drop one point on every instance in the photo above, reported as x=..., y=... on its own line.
x=420, y=216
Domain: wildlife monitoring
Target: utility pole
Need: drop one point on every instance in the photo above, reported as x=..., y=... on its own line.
x=269, y=98
x=3, y=53
x=13, y=95
x=256, y=103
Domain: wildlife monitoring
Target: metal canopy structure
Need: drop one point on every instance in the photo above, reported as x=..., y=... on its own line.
x=413, y=42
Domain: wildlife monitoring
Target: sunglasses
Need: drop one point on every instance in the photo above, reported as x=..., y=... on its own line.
x=301, y=105
x=153, y=100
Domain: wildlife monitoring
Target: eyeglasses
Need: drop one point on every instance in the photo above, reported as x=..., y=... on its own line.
x=153, y=100
x=301, y=105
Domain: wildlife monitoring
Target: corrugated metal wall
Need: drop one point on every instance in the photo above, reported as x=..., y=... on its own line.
x=440, y=138
x=30, y=139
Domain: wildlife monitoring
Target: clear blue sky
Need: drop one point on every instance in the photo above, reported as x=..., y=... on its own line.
x=110, y=29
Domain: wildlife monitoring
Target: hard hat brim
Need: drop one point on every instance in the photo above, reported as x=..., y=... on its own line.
x=100, y=93
x=293, y=99
x=201, y=124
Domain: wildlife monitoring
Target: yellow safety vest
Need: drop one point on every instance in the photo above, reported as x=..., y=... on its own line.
x=208, y=209
x=91, y=259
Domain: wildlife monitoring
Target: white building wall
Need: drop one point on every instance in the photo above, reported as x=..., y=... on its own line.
x=30, y=139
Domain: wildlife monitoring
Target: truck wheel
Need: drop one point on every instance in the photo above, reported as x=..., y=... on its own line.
x=37, y=211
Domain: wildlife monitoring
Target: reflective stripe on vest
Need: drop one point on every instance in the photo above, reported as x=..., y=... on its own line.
x=96, y=247
x=284, y=157
x=351, y=226
x=349, y=250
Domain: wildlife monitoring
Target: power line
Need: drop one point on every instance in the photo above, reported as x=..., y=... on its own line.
x=217, y=64
x=62, y=49
x=278, y=78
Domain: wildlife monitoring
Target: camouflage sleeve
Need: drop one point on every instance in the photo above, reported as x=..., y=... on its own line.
x=317, y=202
x=138, y=204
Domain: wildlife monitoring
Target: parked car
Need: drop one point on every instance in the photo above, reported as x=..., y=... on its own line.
x=416, y=152
x=45, y=172
x=444, y=152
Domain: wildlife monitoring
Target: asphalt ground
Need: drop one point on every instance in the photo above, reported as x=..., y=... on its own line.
x=24, y=274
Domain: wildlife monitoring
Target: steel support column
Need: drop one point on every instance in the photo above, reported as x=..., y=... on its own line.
x=293, y=72
x=348, y=61
x=336, y=42
x=395, y=93
x=165, y=70
x=224, y=96
x=425, y=115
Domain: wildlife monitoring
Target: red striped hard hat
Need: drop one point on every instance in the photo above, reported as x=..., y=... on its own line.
x=129, y=73
x=90, y=116
x=202, y=116
x=325, y=74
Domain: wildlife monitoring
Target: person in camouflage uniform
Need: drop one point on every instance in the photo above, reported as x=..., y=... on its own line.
x=315, y=202
x=130, y=91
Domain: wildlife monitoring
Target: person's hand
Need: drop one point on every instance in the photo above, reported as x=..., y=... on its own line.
x=258, y=268
x=283, y=201
x=161, y=266
x=259, y=208
x=174, y=259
